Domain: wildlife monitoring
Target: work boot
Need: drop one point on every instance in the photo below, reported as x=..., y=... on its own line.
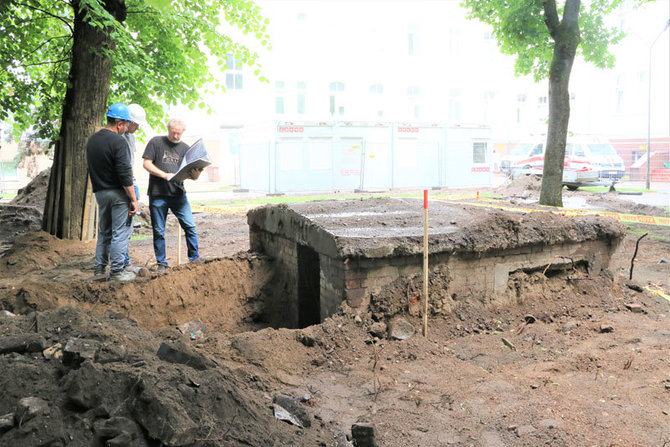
x=122, y=275
x=98, y=272
x=162, y=267
x=132, y=268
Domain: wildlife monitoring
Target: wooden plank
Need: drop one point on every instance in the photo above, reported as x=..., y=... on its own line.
x=67, y=184
x=88, y=214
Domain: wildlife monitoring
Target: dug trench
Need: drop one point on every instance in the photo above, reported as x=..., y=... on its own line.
x=97, y=363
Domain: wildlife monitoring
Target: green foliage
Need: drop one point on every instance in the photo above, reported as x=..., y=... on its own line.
x=520, y=29
x=161, y=55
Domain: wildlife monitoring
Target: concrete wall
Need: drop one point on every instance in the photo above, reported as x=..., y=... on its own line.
x=467, y=277
x=471, y=277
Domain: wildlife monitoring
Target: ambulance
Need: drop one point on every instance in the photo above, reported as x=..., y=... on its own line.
x=589, y=160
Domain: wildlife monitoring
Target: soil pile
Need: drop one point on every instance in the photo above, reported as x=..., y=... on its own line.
x=523, y=187
x=72, y=378
x=34, y=193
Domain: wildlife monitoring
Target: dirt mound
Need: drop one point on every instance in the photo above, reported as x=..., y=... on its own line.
x=159, y=388
x=39, y=250
x=16, y=220
x=224, y=293
x=610, y=201
x=34, y=193
x=523, y=186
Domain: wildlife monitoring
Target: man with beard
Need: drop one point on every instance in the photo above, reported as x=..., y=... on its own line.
x=162, y=157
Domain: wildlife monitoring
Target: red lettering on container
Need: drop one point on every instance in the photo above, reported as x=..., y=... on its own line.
x=481, y=169
x=291, y=129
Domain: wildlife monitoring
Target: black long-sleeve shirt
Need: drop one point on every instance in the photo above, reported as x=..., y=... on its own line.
x=108, y=161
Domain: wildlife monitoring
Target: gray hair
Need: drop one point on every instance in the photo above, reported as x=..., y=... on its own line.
x=176, y=122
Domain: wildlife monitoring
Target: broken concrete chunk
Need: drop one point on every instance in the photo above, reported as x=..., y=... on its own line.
x=606, y=328
x=400, y=329
x=82, y=386
x=6, y=422
x=178, y=352
x=77, y=350
x=363, y=435
x=162, y=419
x=118, y=431
x=53, y=352
x=22, y=343
x=109, y=352
x=378, y=329
x=634, y=307
x=634, y=286
x=29, y=407
x=289, y=409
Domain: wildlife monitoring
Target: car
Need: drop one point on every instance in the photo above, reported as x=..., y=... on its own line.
x=528, y=159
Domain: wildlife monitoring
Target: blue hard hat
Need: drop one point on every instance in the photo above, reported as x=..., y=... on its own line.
x=119, y=111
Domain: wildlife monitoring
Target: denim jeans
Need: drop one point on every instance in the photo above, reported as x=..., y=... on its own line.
x=126, y=261
x=159, y=206
x=113, y=229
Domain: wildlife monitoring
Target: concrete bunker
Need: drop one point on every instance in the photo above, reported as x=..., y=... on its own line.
x=361, y=251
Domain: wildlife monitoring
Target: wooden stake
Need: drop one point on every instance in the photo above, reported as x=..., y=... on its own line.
x=178, y=244
x=425, y=262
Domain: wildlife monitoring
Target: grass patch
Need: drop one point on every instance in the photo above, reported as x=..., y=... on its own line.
x=140, y=237
x=8, y=195
x=639, y=231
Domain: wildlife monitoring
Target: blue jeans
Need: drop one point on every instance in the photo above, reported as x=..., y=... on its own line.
x=113, y=229
x=126, y=261
x=159, y=206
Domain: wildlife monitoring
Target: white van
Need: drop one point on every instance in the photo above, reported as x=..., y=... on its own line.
x=600, y=153
x=588, y=160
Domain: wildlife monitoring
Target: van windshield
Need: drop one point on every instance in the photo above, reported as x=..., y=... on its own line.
x=601, y=149
x=521, y=149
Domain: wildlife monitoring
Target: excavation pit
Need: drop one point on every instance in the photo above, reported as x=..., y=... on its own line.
x=369, y=254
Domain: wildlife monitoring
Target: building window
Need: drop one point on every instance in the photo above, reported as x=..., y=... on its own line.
x=479, y=152
x=234, y=79
x=336, y=89
x=280, y=98
x=300, y=98
x=377, y=89
x=413, y=40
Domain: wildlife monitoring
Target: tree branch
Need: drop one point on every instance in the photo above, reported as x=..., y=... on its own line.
x=46, y=42
x=43, y=63
x=62, y=19
x=551, y=17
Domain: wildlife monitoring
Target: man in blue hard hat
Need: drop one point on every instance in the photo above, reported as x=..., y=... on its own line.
x=112, y=181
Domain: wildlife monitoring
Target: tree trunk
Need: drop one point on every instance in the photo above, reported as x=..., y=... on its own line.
x=566, y=39
x=70, y=211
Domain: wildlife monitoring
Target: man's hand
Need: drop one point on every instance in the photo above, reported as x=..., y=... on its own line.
x=134, y=207
x=194, y=173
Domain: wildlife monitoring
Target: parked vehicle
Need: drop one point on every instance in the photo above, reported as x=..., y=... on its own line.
x=528, y=159
x=601, y=154
x=588, y=160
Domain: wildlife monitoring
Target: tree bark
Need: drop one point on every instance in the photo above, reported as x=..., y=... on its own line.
x=566, y=39
x=68, y=213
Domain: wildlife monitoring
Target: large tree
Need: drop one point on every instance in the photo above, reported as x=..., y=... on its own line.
x=64, y=61
x=546, y=37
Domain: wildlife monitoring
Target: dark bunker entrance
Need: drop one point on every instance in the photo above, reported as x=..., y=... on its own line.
x=309, y=301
